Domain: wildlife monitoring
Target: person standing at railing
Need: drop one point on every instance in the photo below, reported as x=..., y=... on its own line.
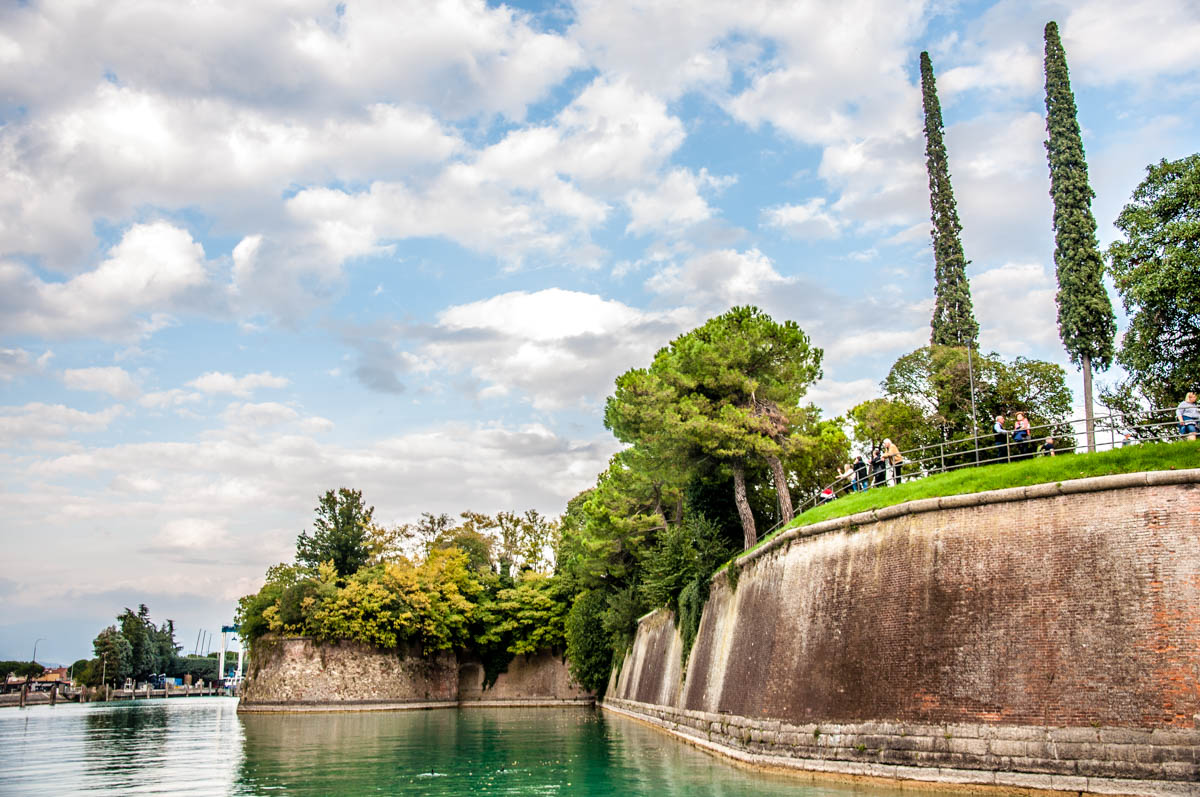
x=878, y=469
x=893, y=457
x=1188, y=415
x=1001, y=435
x=1021, y=434
x=847, y=476
x=861, y=480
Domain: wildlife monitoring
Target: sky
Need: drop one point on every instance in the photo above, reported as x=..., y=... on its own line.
x=250, y=252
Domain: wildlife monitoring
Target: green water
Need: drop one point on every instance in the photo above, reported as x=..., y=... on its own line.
x=201, y=746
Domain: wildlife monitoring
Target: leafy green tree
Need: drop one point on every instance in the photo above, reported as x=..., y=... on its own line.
x=728, y=390
x=22, y=669
x=684, y=553
x=526, y=541
x=610, y=526
x=251, y=612
x=934, y=383
x=115, y=654
x=136, y=628
x=589, y=654
x=1086, y=322
x=530, y=616
x=1157, y=273
x=879, y=418
x=953, y=317
x=340, y=533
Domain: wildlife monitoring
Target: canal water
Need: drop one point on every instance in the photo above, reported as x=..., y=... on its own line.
x=201, y=746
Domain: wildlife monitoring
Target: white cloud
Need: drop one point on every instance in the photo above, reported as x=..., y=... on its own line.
x=674, y=204
x=18, y=362
x=242, y=386
x=559, y=348
x=537, y=191
x=836, y=397
x=38, y=421
x=666, y=47
x=875, y=341
x=1112, y=40
x=155, y=269
x=162, y=399
x=1016, y=68
x=1016, y=309
x=253, y=494
x=254, y=416
x=716, y=280
x=809, y=220
x=112, y=380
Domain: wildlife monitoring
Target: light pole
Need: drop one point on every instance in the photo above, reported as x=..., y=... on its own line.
x=974, y=421
x=35, y=644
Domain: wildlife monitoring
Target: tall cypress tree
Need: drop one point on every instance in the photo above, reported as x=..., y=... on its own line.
x=953, y=319
x=1086, y=322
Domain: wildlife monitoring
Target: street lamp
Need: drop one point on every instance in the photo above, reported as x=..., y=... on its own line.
x=35, y=644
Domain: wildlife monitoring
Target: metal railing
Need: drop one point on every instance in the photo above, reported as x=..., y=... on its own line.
x=1114, y=430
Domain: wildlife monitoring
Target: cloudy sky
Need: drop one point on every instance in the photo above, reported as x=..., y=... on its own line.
x=253, y=251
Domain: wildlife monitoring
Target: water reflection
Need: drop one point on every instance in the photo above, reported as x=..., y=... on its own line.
x=202, y=746
x=150, y=747
x=490, y=751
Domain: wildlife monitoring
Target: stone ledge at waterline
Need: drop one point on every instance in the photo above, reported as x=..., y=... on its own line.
x=1047, y=642
x=299, y=674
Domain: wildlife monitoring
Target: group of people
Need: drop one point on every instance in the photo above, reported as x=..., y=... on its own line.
x=1021, y=436
x=1015, y=443
x=862, y=474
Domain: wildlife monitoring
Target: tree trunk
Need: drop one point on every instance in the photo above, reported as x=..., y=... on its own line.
x=781, y=488
x=1089, y=422
x=743, y=506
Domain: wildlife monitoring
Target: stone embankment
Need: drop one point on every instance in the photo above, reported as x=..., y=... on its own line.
x=1045, y=637
x=298, y=674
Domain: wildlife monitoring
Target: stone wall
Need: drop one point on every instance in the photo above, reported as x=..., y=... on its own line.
x=298, y=674
x=1043, y=632
x=538, y=678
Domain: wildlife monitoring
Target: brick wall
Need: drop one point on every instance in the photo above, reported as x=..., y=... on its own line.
x=1068, y=606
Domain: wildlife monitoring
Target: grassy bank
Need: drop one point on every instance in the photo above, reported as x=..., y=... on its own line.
x=1132, y=459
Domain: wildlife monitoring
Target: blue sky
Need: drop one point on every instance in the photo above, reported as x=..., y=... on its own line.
x=253, y=251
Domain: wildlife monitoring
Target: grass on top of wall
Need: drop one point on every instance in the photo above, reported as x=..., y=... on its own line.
x=1041, y=470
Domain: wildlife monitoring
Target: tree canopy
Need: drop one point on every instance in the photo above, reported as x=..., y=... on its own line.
x=341, y=533
x=1157, y=273
x=927, y=396
x=728, y=391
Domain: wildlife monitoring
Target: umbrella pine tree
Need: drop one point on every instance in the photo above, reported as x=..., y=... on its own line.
x=1086, y=322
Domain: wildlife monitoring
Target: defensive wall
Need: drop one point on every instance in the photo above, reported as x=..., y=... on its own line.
x=298, y=674
x=1043, y=637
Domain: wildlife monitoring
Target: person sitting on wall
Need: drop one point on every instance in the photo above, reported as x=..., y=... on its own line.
x=1188, y=415
x=1046, y=449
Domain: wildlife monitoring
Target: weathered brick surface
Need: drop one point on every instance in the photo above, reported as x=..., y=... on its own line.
x=1059, y=625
